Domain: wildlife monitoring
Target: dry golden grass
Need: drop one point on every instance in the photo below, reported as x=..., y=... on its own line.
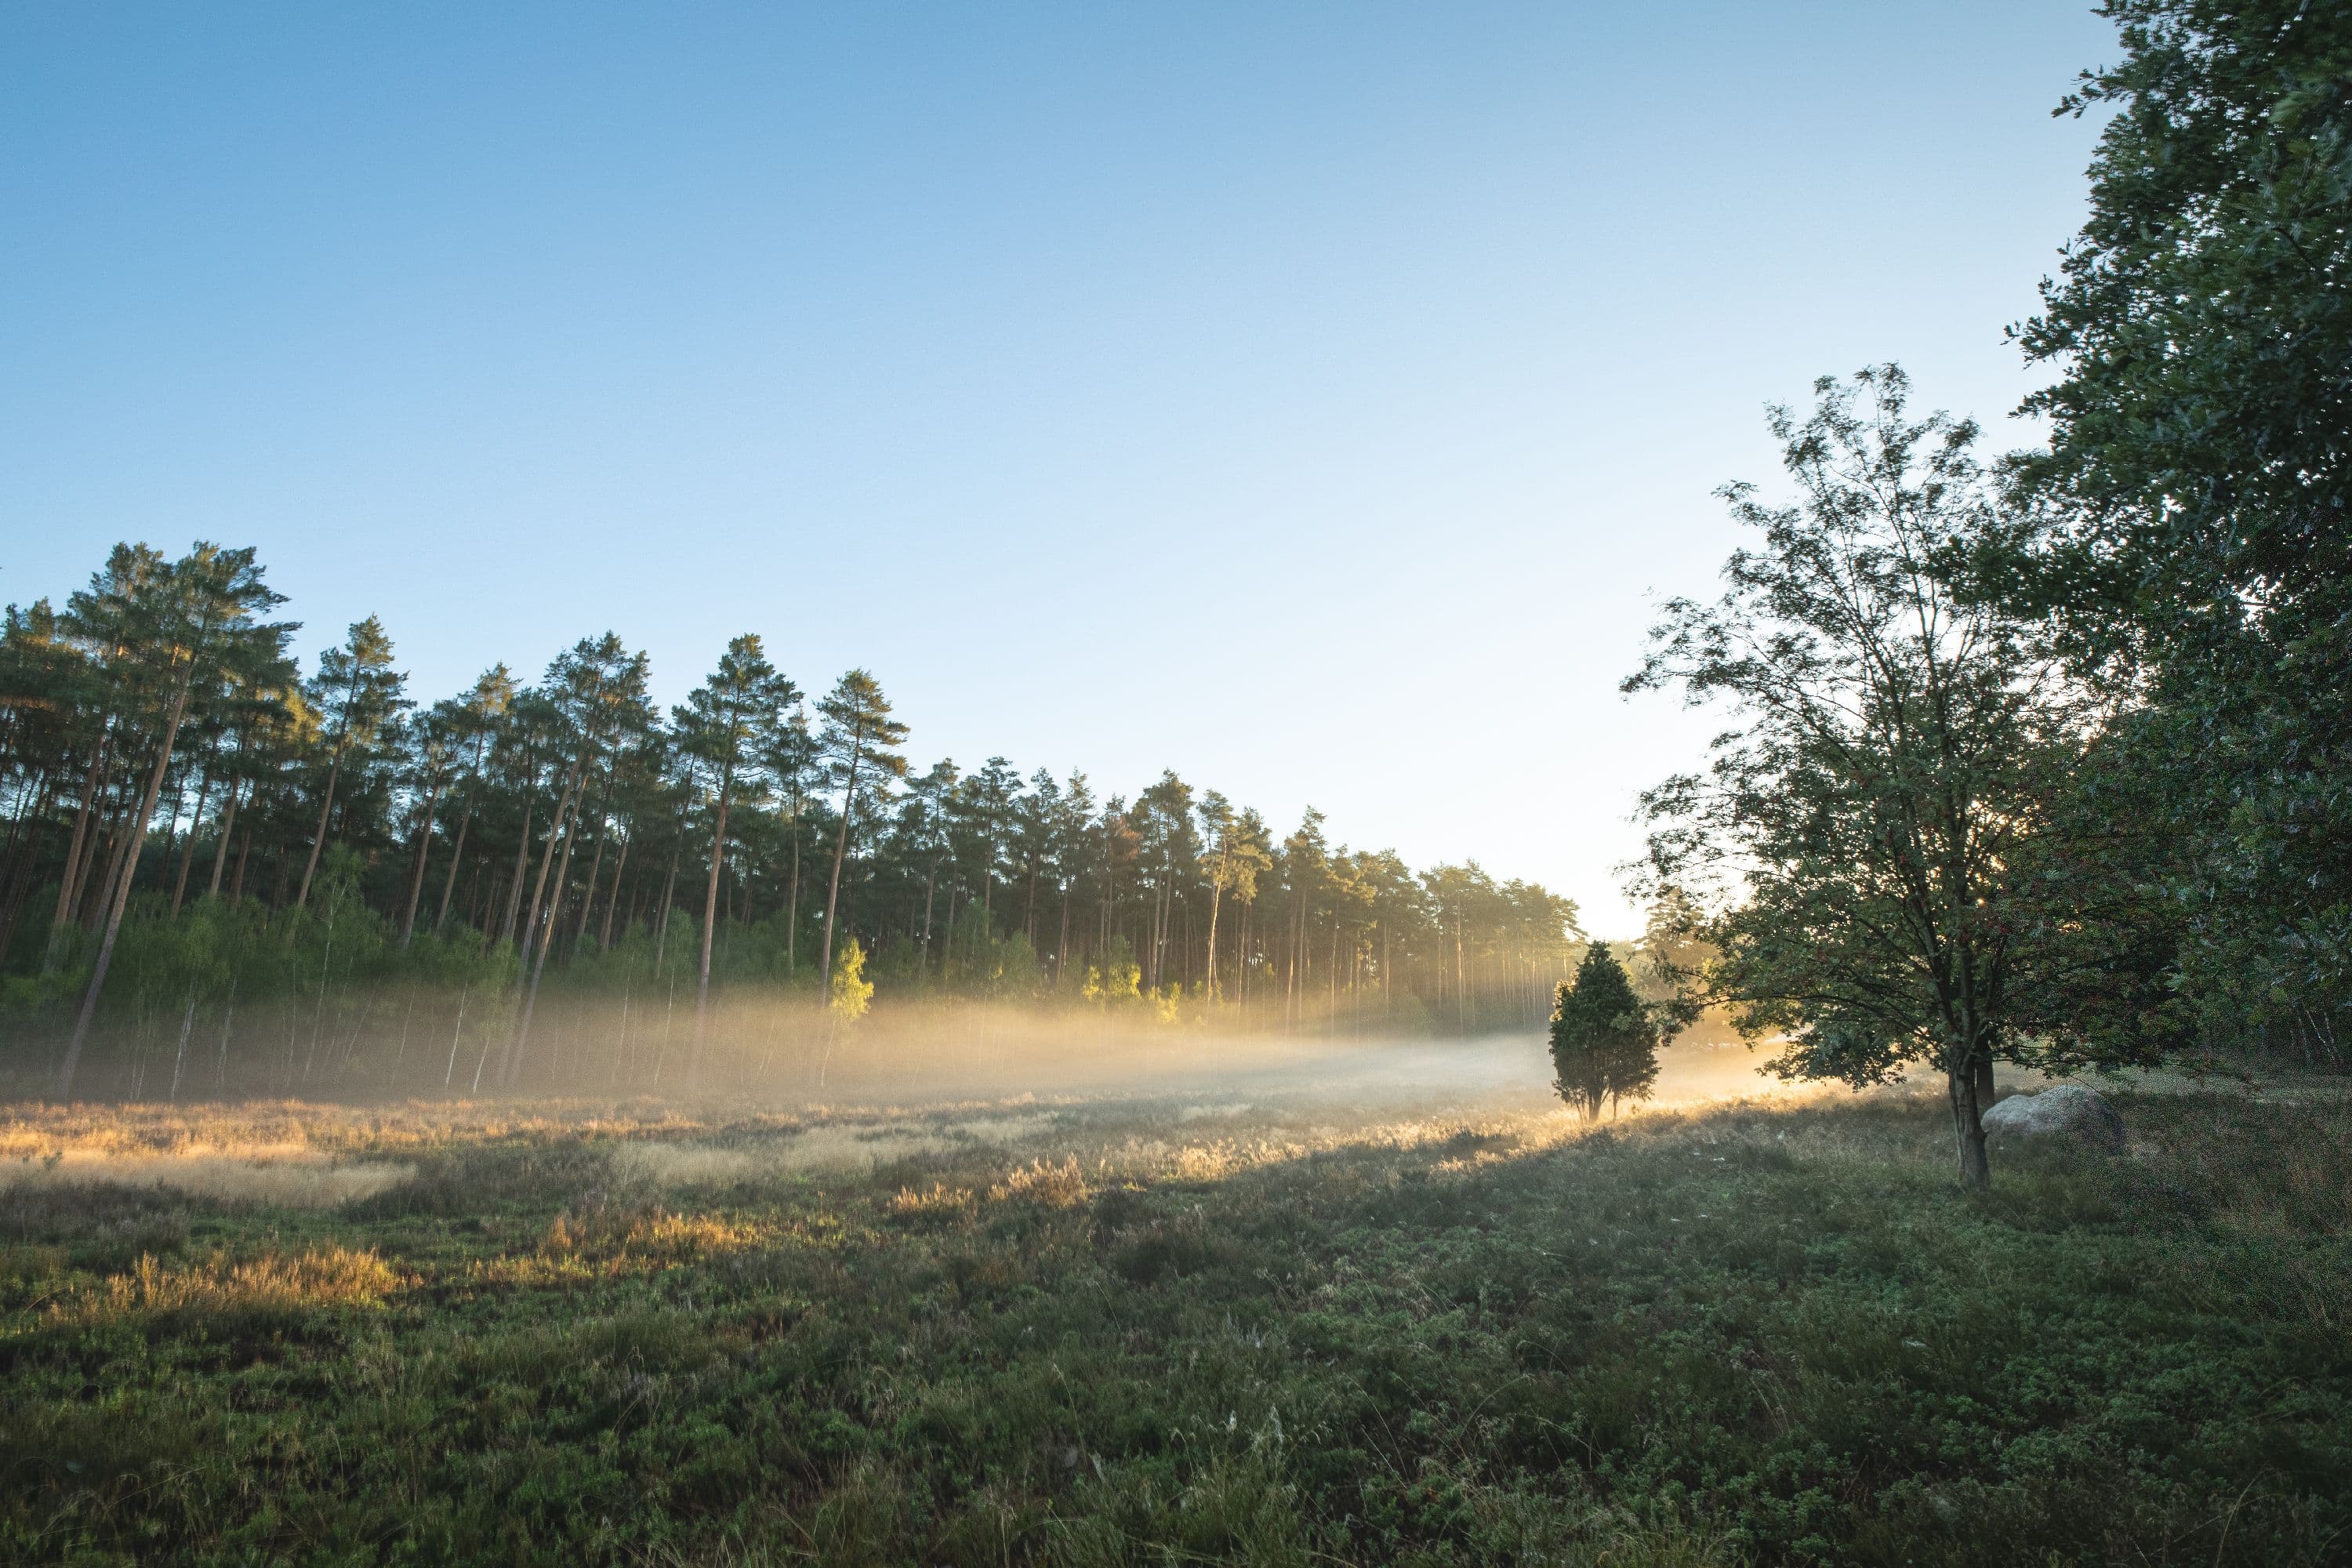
x=940, y=1202
x=1043, y=1181
x=644, y=1236
x=272, y=1283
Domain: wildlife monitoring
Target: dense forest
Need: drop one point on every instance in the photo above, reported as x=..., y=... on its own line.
x=196, y=823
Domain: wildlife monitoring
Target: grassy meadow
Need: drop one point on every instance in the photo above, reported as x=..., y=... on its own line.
x=1171, y=1330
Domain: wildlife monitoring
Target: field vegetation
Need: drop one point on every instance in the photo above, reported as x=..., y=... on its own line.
x=1097, y=1332
x=478, y=1186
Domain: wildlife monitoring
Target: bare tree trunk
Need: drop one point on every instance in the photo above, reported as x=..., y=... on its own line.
x=77, y=849
x=793, y=903
x=334, y=774
x=416, y=879
x=118, y=834
x=840, y=853
x=522, y=864
x=121, y=892
x=23, y=868
x=457, y=859
x=931, y=888
x=513, y=1073
x=188, y=850
x=1216, y=896
x=228, y=828
x=595, y=866
x=661, y=926
x=710, y=929
x=556, y=829
x=1333, y=1022
x=613, y=904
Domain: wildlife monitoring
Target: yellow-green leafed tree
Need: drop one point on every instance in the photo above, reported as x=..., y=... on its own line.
x=852, y=992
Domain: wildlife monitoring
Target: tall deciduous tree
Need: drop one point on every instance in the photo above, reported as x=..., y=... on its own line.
x=2201, y=459
x=1893, y=756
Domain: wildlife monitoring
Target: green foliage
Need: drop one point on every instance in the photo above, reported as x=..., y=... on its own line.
x=2198, y=482
x=1738, y=1336
x=1604, y=1037
x=1887, y=778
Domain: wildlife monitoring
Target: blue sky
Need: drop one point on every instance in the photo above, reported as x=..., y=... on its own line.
x=1315, y=399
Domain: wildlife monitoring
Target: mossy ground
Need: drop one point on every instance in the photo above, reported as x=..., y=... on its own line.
x=1106, y=1333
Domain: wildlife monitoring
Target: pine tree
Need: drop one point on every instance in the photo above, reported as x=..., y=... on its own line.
x=857, y=746
x=733, y=725
x=1604, y=1041
x=359, y=693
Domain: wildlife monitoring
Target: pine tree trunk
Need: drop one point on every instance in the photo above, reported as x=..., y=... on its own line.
x=840, y=853
x=457, y=859
x=227, y=831
x=710, y=930
x=1216, y=896
x=793, y=905
x=596, y=865
x=334, y=774
x=121, y=892
x=522, y=864
x=77, y=847
x=457, y=850
x=661, y=920
x=188, y=850
x=513, y=1074
x=423, y=853
x=557, y=830
x=118, y=834
x=613, y=904
x=20, y=885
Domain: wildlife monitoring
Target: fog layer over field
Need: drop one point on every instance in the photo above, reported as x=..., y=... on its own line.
x=888, y=1095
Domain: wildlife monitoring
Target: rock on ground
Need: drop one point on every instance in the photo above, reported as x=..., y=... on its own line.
x=2068, y=1110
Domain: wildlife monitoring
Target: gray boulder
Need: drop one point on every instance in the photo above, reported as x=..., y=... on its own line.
x=2068, y=1112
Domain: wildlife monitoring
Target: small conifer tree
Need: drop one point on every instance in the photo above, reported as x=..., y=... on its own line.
x=1604, y=1041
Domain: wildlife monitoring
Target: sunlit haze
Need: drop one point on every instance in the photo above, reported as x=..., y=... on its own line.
x=1313, y=399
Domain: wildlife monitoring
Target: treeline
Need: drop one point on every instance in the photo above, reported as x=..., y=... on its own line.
x=194, y=818
x=2049, y=759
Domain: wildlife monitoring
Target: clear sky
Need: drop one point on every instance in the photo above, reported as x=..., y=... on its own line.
x=1312, y=398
